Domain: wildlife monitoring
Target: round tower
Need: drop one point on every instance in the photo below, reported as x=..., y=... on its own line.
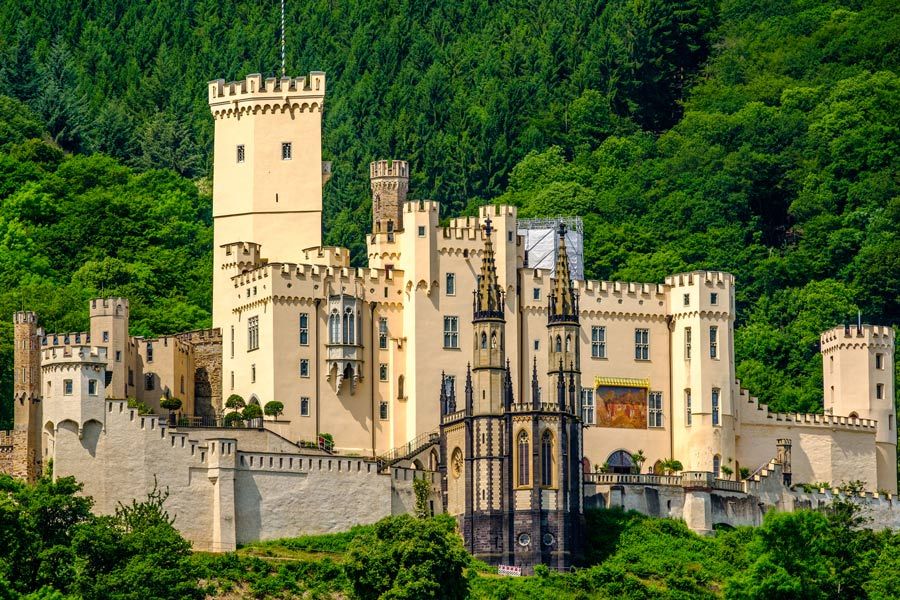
x=858, y=377
x=27, y=390
x=389, y=181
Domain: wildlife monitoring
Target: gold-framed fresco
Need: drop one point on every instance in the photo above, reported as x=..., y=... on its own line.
x=620, y=402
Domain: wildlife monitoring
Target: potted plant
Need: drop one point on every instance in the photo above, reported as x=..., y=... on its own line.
x=234, y=419
x=638, y=459
x=171, y=405
x=273, y=409
x=252, y=412
x=727, y=471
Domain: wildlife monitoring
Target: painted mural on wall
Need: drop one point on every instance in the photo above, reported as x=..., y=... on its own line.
x=623, y=407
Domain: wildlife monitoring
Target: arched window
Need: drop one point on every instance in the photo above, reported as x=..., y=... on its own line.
x=524, y=457
x=620, y=461
x=483, y=340
x=334, y=327
x=547, y=459
x=853, y=415
x=558, y=344
x=568, y=343
x=717, y=463
x=400, y=387
x=493, y=341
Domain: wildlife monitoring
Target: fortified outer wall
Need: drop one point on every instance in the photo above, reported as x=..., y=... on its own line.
x=14, y=454
x=220, y=494
x=207, y=347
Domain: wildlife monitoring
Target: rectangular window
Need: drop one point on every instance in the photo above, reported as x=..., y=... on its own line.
x=285, y=151
x=536, y=293
x=304, y=367
x=715, y=406
x=879, y=391
x=130, y=377
x=118, y=356
x=92, y=387
x=382, y=334
x=509, y=236
x=232, y=380
x=232, y=341
x=421, y=231
x=688, y=415
x=450, y=385
x=537, y=345
x=252, y=333
x=687, y=343
x=149, y=382
x=304, y=406
x=67, y=387
x=714, y=342
x=240, y=153
x=105, y=336
x=382, y=372
x=252, y=373
x=451, y=332
x=641, y=344
x=598, y=342
x=687, y=299
x=587, y=406
x=149, y=351
x=714, y=298
x=383, y=410
x=304, y=329
x=451, y=284
x=655, y=410
x=879, y=361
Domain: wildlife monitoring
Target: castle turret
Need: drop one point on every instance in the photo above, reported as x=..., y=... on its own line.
x=563, y=328
x=858, y=376
x=489, y=328
x=109, y=329
x=27, y=394
x=389, y=181
x=268, y=168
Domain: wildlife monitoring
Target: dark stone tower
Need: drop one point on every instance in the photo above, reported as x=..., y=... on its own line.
x=512, y=475
x=27, y=396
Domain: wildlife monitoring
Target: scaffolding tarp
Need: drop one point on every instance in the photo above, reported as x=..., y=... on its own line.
x=542, y=243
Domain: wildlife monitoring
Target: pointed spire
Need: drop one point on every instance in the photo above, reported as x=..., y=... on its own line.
x=561, y=387
x=508, y=388
x=563, y=300
x=470, y=396
x=488, y=296
x=535, y=386
x=443, y=397
x=572, y=396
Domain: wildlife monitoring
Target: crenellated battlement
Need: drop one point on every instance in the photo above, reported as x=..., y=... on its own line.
x=760, y=413
x=107, y=307
x=255, y=94
x=857, y=336
x=58, y=340
x=692, y=278
x=332, y=256
x=430, y=206
x=24, y=317
x=73, y=354
x=388, y=168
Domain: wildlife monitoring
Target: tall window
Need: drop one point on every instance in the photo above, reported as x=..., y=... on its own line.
x=451, y=332
x=714, y=342
x=641, y=344
x=715, y=406
x=240, y=153
x=253, y=373
x=655, y=410
x=400, y=381
x=879, y=391
x=451, y=284
x=67, y=387
x=714, y=298
x=383, y=410
x=304, y=329
x=598, y=342
x=232, y=341
x=687, y=342
x=304, y=367
x=450, y=385
x=547, y=458
x=92, y=387
x=717, y=464
x=181, y=384
x=687, y=407
x=149, y=384
x=304, y=406
x=383, y=372
x=149, y=351
x=286, y=151
x=536, y=294
x=587, y=406
x=558, y=343
x=687, y=299
x=879, y=361
x=382, y=333
x=524, y=458
x=334, y=327
x=252, y=333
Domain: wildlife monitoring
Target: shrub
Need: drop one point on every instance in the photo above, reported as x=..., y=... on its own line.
x=170, y=403
x=252, y=411
x=273, y=408
x=234, y=419
x=235, y=402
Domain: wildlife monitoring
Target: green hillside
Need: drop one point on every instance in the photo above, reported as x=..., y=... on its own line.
x=755, y=137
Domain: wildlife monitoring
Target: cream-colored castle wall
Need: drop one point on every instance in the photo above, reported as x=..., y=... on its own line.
x=172, y=368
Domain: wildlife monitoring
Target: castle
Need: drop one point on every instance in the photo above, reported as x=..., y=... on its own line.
x=520, y=391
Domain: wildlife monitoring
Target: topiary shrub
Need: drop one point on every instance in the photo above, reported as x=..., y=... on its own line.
x=234, y=419
x=252, y=411
x=273, y=408
x=170, y=403
x=235, y=402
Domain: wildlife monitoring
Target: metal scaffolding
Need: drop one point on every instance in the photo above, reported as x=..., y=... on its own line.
x=542, y=243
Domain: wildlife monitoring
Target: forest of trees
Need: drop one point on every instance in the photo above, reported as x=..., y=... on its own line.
x=758, y=137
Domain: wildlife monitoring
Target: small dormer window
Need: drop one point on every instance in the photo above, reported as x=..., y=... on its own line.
x=240, y=153
x=285, y=151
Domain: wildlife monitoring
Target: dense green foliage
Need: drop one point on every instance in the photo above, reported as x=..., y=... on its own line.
x=754, y=137
x=52, y=547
